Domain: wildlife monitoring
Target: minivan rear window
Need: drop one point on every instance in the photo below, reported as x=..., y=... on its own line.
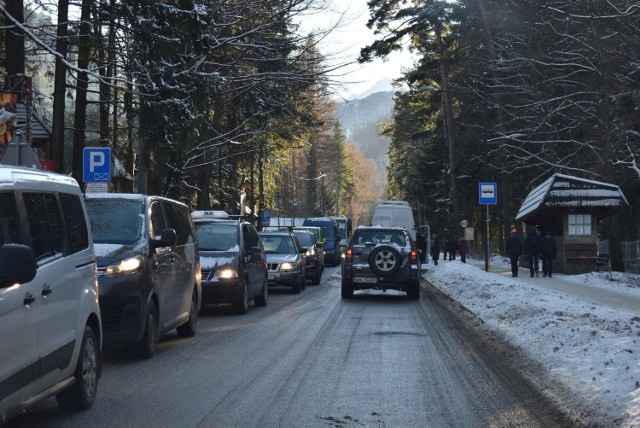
x=115, y=221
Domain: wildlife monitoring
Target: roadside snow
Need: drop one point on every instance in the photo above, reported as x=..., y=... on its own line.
x=592, y=351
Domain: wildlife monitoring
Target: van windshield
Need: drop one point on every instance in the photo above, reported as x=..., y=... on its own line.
x=115, y=221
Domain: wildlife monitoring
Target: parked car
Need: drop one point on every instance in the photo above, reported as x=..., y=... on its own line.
x=148, y=268
x=50, y=327
x=313, y=267
x=233, y=263
x=321, y=240
x=381, y=258
x=286, y=260
x=332, y=245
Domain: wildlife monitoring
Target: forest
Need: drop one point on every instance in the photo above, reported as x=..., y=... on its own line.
x=211, y=102
x=512, y=92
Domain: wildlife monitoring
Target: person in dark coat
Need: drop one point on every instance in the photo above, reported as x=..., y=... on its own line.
x=548, y=254
x=514, y=249
x=532, y=248
x=445, y=248
x=435, y=249
x=463, y=249
x=452, y=246
x=421, y=243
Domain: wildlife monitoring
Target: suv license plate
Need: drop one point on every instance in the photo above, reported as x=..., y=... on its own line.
x=271, y=277
x=365, y=279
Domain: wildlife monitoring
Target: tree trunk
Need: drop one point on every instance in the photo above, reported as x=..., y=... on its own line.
x=60, y=88
x=14, y=40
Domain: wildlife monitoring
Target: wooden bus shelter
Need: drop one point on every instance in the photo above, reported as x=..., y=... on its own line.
x=570, y=208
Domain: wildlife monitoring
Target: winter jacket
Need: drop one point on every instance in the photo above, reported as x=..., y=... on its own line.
x=533, y=244
x=514, y=246
x=435, y=248
x=548, y=247
x=452, y=243
x=463, y=248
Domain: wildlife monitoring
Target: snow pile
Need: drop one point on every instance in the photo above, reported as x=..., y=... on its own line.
x=592, y=351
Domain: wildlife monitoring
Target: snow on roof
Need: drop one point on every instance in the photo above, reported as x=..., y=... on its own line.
x=564, y=191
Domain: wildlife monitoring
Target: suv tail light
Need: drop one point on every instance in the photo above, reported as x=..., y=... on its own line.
x=414, y=257
x=348, y=255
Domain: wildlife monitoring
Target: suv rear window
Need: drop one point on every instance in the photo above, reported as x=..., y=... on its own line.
x=380, y=237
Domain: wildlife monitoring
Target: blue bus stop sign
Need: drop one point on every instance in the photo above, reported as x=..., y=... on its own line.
x=488, y=193
x=96, y=165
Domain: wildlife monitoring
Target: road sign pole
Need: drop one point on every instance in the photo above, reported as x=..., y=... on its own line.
x=487, y=261
x=487, y=195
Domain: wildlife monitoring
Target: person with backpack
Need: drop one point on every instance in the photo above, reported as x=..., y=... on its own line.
x=548, y=254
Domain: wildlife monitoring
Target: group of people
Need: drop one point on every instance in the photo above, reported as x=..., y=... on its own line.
x=536, y=248
x=449, y=247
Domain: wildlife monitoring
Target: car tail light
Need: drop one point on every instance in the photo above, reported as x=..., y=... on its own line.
x=348, y=255
x=414, y=257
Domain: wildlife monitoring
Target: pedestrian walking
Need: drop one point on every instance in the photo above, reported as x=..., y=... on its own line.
x=421, y=243
x=445, y=248
x=452, y=246
x=532, y=248
x=548, y=254
x=514, y=249
x=463, y=249
x=435, y=249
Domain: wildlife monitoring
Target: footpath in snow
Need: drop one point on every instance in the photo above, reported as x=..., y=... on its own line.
x=583, y=330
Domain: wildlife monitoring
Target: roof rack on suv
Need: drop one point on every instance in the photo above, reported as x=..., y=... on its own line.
x=395, y=202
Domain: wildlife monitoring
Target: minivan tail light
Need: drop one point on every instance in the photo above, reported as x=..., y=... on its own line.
x=414, y=257
x=348, y=255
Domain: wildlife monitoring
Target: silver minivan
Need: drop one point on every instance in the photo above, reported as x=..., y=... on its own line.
x=50, y=325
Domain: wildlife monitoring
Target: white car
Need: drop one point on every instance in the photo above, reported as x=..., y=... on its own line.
x=50, y=326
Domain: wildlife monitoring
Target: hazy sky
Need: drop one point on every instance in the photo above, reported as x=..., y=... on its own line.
x=345, y=43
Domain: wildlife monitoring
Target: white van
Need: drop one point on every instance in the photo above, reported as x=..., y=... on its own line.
x=50, y=326
x=394, y=214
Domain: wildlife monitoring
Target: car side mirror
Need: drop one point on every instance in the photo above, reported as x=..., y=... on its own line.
x=17, y=264
x=303, y=250
x=168, y=238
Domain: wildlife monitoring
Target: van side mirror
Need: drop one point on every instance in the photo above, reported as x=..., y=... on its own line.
x=17, y=264
x=168, y=238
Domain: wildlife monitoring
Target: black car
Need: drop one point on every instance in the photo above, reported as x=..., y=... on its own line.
x=381, y=258
x=234, y=266
x=314, y=266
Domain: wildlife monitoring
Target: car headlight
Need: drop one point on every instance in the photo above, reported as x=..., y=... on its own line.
x=124, y=267
x=225, y=274
x=311, y=253
x=287, y=266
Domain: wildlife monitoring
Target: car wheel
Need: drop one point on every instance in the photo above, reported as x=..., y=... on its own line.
x=385, y=260
x=346, y=291
x=188, y=329
x=241, y=305
x=316, y=279
x=83, y=392
x=147, y=345
x=263, y=297
x=303, y=280
x=414, y=292
x=297, y=287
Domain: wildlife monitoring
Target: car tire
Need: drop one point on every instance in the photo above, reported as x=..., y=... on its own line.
x=263, y=297
x=316, y=279
x=303, y=280
x=147, y=345
x=297, y=287
x=82, y=394
x=188, y=329
x=385, y=260
x=346, y=290
x=241, y=306
x=414, y=292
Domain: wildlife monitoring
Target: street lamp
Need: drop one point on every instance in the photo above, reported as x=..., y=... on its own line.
x=482, y=101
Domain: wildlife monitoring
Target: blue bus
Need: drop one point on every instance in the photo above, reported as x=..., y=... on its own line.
x=332, y=246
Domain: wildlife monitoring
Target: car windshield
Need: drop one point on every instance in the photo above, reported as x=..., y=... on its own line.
x=380, y=237
x=115, y=221
x=278, y=244
x=304, y=238
x=217, y=237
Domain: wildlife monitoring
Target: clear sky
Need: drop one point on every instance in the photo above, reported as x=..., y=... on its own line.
x=344, y=44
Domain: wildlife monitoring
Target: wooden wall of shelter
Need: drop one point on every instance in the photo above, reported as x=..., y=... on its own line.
x=570, y=208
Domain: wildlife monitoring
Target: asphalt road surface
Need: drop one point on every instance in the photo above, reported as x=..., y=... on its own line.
x=314, y=359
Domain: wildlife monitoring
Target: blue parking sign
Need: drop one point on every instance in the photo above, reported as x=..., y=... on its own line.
x=96, y=165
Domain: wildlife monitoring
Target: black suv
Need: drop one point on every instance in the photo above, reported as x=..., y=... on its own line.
x=381, y=258
x=313, y=267
x=234, y=267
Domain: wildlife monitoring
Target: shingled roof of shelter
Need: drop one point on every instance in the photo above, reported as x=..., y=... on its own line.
x=562, y=192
